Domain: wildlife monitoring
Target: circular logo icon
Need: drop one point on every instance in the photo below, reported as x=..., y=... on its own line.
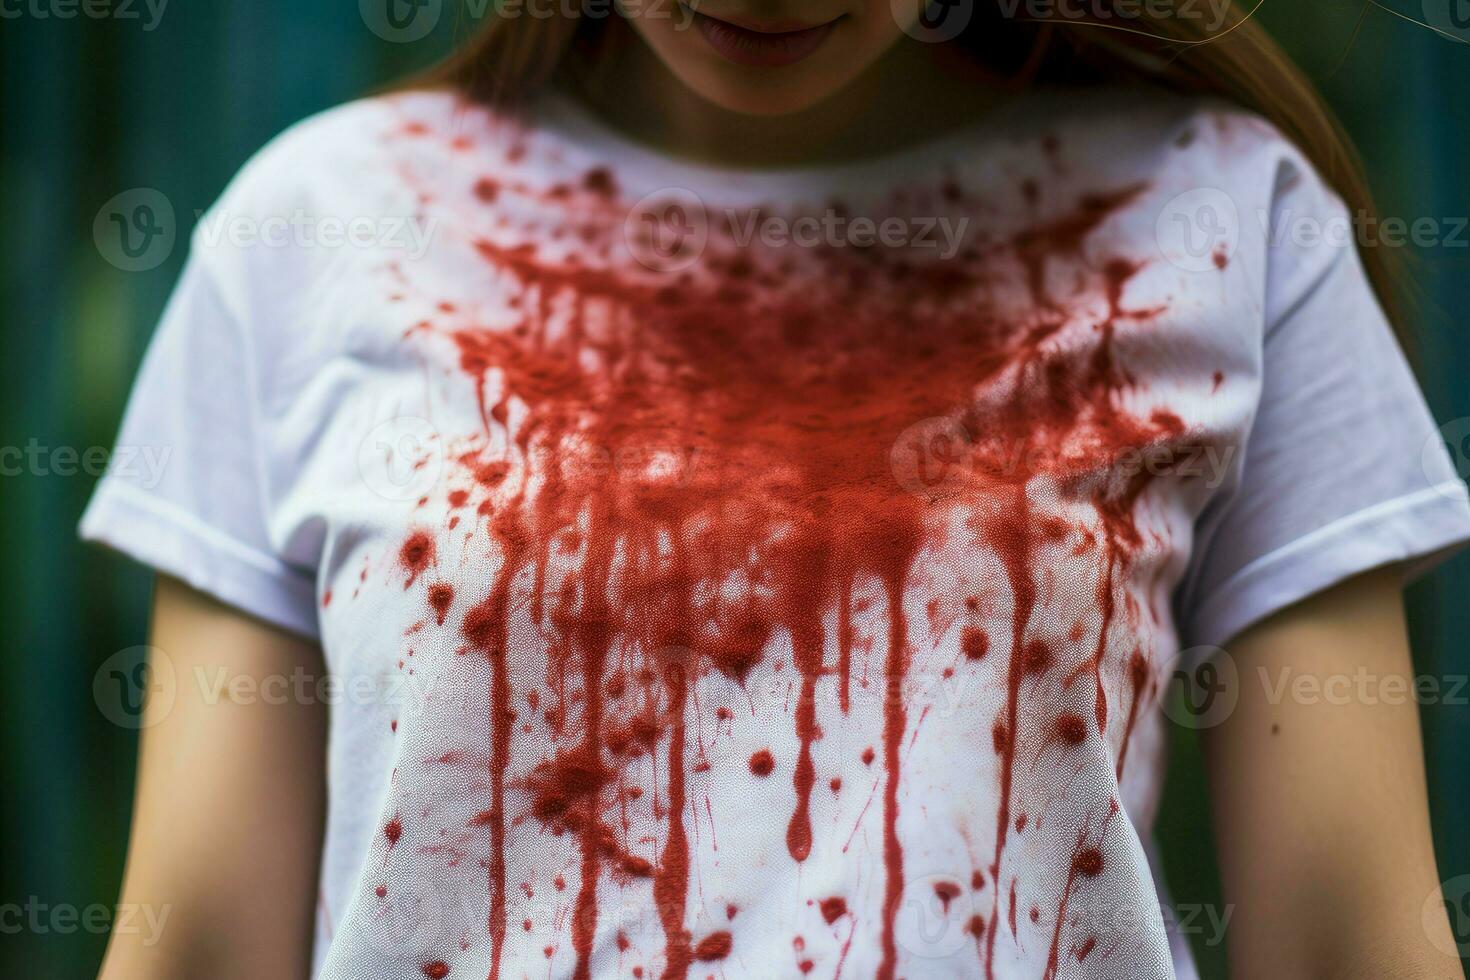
x=400, y=21
x=1454, y=438
x=1204, y=689
x=932, y=21
x=1452, y=900
x=130, y=679
x=135, y=230
x=931, y=457
x=667, y=230
x=935, y=916
x=1198, y=230
x=1450, y=17
x=401, y=458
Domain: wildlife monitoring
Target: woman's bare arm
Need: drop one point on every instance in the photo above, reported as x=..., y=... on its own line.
x=1319, y=799
x=227, y=818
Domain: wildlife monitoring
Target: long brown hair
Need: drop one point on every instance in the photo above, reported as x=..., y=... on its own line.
x=508, y=59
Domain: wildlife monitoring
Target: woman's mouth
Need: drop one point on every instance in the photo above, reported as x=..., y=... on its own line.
x=762, y=46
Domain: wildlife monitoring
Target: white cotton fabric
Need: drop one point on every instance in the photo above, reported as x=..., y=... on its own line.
x=284, y=370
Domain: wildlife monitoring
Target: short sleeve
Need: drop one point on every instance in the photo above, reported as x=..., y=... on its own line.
x=1343, y=468
x=186, y=492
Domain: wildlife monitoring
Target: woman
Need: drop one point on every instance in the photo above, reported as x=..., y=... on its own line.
x=750, y=516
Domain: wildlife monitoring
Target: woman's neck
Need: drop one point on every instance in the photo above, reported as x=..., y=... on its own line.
x=914, y=93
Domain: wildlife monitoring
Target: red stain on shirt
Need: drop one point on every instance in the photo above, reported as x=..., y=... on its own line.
x=715, y=946
x=416, y=555
x=764, y=473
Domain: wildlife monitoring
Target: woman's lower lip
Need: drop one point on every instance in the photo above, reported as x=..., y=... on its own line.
x=758, y=49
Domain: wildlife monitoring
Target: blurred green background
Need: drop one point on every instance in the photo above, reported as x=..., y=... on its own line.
x=175, y=101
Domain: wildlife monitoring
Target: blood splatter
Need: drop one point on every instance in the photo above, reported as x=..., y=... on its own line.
x=664, y=577
x=833, y=908
x=1071, y=729
x=715, y=946
x=416, y=555
x=441, y=596
x=975, y=643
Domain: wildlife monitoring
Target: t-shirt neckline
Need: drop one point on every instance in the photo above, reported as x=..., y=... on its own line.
x=581, y=132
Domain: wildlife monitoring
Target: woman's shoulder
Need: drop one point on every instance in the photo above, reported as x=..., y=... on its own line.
x=344, y=149
x=1149, y=117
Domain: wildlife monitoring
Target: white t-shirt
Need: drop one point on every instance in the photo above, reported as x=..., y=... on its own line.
x=777, y=578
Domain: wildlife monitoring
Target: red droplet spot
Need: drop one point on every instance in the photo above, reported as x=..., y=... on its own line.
x=1088, y=862
x=600, y=181
x=1071, y=729
x=946, y=892
x=486, y=189
x=327, y=598
x=731, y=911
x=976, y=926
x=393, y=830
x=458, y=498
x=833, y=908
x=868, y=756
x=836, y=785
x=441, y=596
x=436, y=970
x=622, y=941
x=381, y=891
x=416, y=555
x=715, y=946
x=975, y=643
x=1037, y=658
x=762, y=763
x=1035, y=914
x=977, y=880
